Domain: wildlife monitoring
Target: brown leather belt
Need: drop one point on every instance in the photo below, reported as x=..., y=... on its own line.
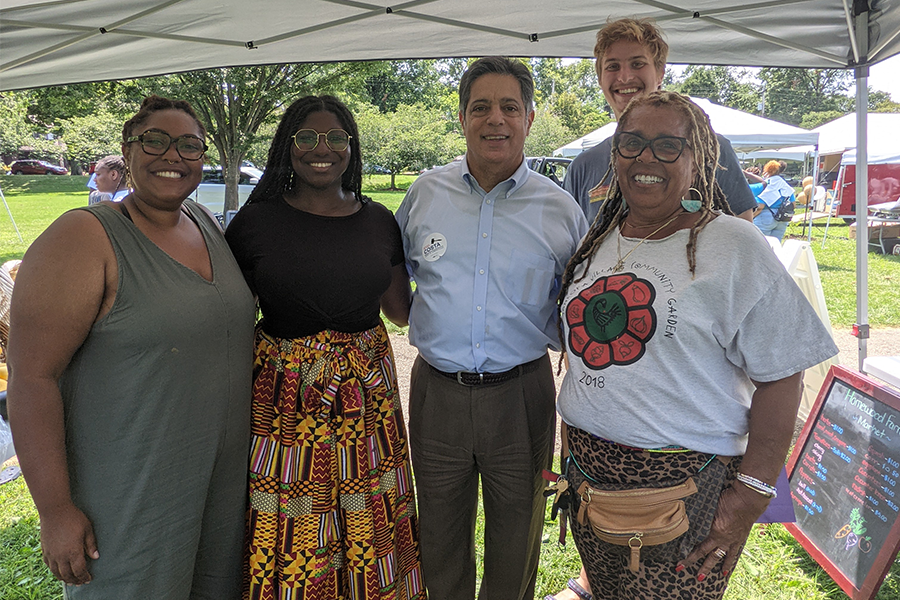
x=468, y=378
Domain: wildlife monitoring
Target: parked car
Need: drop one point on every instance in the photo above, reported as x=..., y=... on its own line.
x=36, y=167
x=375, y=169
x=554, y=167
x=211, y=191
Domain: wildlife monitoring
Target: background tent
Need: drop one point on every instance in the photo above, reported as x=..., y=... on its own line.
x=745, y=131
x=838, y=136
x=51, y=42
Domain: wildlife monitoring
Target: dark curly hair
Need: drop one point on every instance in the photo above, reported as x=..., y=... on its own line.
x=154, y=103
x=279, y=176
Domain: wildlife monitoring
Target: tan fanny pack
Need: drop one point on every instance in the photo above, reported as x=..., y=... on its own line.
x=636, y=517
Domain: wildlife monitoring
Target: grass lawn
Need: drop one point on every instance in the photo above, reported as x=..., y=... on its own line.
x=773, y=567
x=837, y=270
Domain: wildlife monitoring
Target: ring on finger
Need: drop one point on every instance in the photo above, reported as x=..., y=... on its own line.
x=720, y=553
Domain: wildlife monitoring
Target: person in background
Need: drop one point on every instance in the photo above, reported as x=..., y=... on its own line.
x=631, y=61
x=130, y=356
x=109, y=180
x=486, y=240
x=776, y=192
x=755, y=181
x=332, y=511
x=676, y=377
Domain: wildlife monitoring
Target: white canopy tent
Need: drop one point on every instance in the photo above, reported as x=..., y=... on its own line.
x=52, y=42
x=882, y=158
x=838, y=136
x=585, y=142
x=746, y=132
x=49, y=42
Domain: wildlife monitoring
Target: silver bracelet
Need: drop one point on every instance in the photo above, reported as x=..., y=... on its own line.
x=760, y=487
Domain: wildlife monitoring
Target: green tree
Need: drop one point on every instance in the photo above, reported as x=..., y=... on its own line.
x=15, y=128
x=413, y=137
x=726, y=86
x=21, y=133
x=90, y=137
x=119, y=98
x=425, y=82
x=811, y=120
x=547, y=134
x=881, y=102
x=235, y=102
x=791, y=93
x=571, y=92
x=887, y=106
x=576, y=116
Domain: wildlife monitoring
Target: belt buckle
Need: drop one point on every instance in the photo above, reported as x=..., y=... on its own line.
x=459, y=379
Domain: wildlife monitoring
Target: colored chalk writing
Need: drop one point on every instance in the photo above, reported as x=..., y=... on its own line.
x=845, y=478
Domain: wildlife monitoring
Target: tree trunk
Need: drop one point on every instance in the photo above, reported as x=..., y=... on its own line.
x=393, y=187
x=232, y=174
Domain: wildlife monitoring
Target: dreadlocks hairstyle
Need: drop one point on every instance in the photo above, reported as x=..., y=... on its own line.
x=279, y=176
x=152, y=104
x=704, y=151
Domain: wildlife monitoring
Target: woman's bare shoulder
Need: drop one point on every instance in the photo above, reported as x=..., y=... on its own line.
x=75, y=238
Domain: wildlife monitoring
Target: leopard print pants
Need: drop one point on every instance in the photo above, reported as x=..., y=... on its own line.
x=615, y=467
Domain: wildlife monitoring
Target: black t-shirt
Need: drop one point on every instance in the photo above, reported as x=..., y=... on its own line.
x=312, y=272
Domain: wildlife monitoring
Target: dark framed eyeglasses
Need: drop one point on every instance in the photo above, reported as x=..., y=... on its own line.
x=666, y=148
x=156, y=143
x=308, y=139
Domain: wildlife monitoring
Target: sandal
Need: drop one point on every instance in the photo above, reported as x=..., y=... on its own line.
x=573, y=585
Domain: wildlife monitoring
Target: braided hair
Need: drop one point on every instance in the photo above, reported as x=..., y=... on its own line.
x=704, y=146
x=279, y=176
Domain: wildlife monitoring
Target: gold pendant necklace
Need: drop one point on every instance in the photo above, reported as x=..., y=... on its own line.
x=620, y=264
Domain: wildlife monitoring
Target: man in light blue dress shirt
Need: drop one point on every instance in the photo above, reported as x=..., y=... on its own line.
x=486, y=241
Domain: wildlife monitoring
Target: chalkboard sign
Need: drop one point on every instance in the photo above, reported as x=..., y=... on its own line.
x=844, y=476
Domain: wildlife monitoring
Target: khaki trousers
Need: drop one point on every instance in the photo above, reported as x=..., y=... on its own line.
x=503, y=434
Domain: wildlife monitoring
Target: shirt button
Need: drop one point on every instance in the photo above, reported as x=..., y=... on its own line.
x=484, y=235
x=481, y=271
x=478, y=345
x=477, y=308
x=488, y=201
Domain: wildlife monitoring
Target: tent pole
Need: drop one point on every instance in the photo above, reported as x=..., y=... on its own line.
x=861, y=328
x=810, y=202
x=9, y=212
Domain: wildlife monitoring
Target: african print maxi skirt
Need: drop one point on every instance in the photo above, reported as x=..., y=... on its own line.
x=332, y=512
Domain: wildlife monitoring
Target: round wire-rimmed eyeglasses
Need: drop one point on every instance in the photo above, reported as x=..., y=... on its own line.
x=307, y=139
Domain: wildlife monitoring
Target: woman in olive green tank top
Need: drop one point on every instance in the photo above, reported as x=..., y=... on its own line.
x=130, y=354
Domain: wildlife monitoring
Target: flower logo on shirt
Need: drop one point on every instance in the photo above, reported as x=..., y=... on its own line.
x=611, y=321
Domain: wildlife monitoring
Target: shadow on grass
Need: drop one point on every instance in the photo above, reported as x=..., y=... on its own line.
x=835, y=268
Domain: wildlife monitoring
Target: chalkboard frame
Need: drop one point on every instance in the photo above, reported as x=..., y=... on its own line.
x=888, y=552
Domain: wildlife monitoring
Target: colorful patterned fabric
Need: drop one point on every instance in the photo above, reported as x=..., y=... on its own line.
x=332, y=512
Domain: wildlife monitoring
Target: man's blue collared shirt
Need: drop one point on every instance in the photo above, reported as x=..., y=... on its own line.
x=487, y=266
